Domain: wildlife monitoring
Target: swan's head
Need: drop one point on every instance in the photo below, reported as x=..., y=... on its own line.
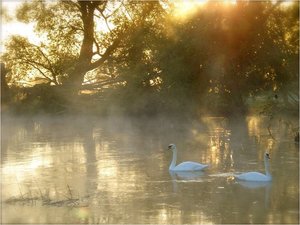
x=267, y=155
x=172, y=147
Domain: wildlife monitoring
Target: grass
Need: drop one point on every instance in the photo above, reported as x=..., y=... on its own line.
x=43, y=198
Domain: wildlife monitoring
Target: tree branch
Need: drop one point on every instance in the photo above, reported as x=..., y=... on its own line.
x=97, y=46
x=47, y=59
x=72, y=3
x=35, y=65
x=107, y=53
x=42, y=73
x=102, y=83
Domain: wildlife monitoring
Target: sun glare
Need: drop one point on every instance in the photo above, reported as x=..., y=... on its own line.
x=288, y=3
x=13, y=27
x=184, y=8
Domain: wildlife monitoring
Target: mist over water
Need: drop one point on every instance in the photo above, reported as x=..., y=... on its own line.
x=115, y=170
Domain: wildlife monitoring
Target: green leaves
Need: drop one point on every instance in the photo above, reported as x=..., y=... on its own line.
x=223, y=52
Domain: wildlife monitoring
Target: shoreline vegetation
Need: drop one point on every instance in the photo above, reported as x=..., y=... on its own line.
x=147, y=59
x=52, y=100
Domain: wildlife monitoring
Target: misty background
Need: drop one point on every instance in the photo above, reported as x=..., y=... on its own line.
x=150, y=58
x=93, y=92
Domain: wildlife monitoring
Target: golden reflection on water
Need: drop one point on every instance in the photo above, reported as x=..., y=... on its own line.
x=83, y=214
x=43, y=162
x=253, y=127
x=219, y=141
x=164, y=215
x=271, y=143
x=127, y=179
x=19, y=172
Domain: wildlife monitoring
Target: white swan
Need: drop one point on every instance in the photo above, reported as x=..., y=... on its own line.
x=185, y=166
x=255, y=176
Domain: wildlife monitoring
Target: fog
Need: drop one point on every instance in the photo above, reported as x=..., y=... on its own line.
x=115, y=170
x=87, y=114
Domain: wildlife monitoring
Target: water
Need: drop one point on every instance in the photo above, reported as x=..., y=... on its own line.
x=115, y=170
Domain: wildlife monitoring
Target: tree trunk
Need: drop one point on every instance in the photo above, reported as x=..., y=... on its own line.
x=5, y=92
x=82, y=66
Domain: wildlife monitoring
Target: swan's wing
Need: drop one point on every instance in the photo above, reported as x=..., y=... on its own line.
x=190, y=166
x=253, y=176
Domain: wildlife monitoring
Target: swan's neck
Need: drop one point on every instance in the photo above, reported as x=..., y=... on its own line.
x=174, y=158
x=267, y=167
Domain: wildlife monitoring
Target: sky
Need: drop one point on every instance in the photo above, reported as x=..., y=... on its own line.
x=13, y=27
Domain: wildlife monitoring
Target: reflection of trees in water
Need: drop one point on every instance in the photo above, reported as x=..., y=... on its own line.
x=219, y=146
x=278, y=128
x=124, y=166
x=241, y=205
x=90, y=154
x=136, y=153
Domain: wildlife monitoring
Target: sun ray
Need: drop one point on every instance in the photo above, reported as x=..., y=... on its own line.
x=185, y=8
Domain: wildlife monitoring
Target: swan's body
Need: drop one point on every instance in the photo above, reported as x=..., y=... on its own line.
x=256, y=176
x=185, y=166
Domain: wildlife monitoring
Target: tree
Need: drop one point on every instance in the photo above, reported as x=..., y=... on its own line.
x=216, y=58
x=221, y=55
x=5, y=93
x=77, y=37
x=136, y=61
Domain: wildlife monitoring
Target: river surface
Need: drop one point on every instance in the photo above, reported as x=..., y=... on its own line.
x=115, y=171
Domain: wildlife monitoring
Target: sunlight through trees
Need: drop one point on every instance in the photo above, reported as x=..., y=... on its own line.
x=157, y=55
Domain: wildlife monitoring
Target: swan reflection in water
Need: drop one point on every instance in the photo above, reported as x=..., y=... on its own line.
x=256, y=180
x=185, y=176
x=255, y=184
x=258, y=186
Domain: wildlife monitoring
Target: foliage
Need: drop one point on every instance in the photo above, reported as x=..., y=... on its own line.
x=136, y=61
x=232, y=53
x=139, y=56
